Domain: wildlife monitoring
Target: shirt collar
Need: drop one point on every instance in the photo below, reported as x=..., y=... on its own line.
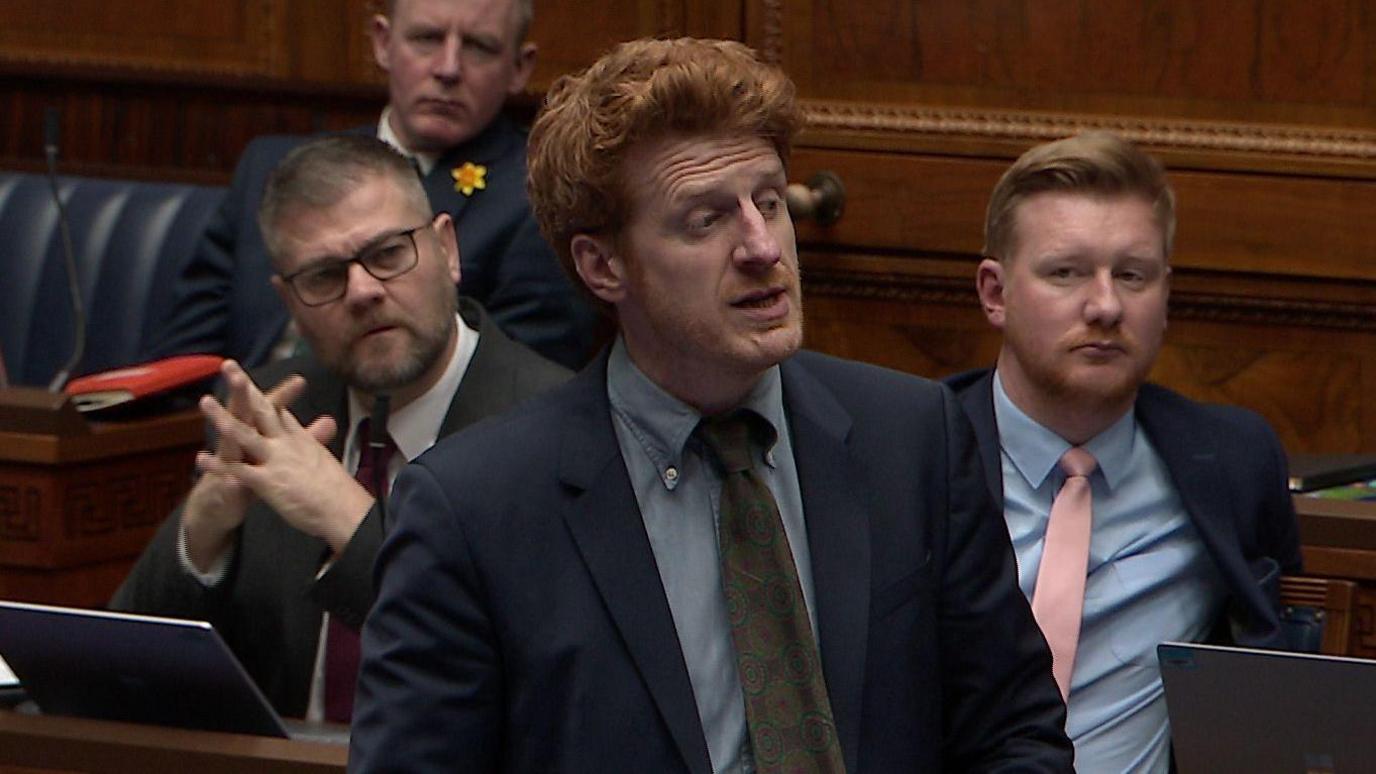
x=415, y=426
x=487, y=147
x=426, y=161
x=1035, y=450
x=662, y=423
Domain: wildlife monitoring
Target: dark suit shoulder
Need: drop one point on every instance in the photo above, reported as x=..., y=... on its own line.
x=966, y=380
x=855, y=382
x=1226, y=423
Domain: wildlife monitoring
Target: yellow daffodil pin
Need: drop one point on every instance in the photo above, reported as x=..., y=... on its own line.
x=469, y=178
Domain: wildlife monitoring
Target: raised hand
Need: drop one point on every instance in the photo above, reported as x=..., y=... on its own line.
x=282, y=463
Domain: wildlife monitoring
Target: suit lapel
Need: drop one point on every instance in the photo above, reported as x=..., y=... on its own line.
x=484, y=150
x=489, y=381
x=1191, y=458
x=978, y=402
x=838, y=541
x=606, y=525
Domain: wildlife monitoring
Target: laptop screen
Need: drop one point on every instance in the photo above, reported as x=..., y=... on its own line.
x=141, y=669
x=1241, y=709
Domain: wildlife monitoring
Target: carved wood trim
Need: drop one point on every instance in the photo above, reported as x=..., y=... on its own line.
x=1340, y=144
x=1184, y=304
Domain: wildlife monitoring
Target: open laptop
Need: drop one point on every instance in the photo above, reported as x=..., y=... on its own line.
x=1246, y=710
x=137, y=668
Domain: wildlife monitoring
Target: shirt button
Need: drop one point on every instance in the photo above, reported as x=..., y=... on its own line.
x=671, y=474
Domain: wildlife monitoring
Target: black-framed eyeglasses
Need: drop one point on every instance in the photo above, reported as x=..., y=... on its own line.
x=387, y=258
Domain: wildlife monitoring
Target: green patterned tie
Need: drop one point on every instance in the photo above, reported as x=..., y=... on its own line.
x=786, y=704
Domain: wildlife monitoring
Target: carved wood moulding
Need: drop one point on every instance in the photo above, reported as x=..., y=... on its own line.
x=1184, y=304
x=1337, y=144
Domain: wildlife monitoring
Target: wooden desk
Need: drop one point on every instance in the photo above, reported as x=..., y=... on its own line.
x=1338, y=539
x=31, y=744
x=76, y=510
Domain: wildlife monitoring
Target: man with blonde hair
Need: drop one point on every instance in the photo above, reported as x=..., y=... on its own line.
x=710, y=552
x=1137, y=515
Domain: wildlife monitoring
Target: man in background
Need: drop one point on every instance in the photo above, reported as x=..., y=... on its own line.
x=1137, y=515
x=708, y=552
x=451, y=64
x=275, y=543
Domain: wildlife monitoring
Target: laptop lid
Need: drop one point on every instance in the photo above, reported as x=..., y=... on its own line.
x=135, y=668
x=1246, y=710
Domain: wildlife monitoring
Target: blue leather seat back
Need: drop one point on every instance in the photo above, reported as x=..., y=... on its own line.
x=130, y=239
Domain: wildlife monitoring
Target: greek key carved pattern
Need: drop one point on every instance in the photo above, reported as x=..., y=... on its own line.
x=83, y=513
x=162, y=492
x=128, y=501
x=20, y=507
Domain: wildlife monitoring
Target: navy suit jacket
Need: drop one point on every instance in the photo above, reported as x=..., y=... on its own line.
x=269, y=605
x=521, y=624
x=1230, y=472
x=223, y=302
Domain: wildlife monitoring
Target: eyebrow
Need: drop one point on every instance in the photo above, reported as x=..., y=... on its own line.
x=331, y=259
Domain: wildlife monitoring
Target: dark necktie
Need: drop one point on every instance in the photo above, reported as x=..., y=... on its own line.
x=786, y=705
x=341, y=641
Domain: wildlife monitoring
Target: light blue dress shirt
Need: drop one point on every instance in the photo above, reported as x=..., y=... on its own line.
x=678, y=492
x=1150, y=579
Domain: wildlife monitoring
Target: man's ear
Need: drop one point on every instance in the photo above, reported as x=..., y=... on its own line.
x=283, y=292
x=380, y=31
x=599, y=266
x=449, y=243
x=989, y=282
x=525, y=65
x=1166, y=282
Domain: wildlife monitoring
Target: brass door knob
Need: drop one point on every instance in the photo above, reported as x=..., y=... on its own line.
x=822, y=200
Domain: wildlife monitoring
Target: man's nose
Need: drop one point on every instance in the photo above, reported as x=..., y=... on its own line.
x=1104, y=304
x=448, y=65
x=363, y=288
x=759, y=246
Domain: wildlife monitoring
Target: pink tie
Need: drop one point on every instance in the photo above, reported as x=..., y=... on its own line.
x=1059, y=598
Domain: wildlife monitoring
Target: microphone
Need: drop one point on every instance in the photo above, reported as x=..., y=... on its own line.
x=377, y=432
x=51, y=134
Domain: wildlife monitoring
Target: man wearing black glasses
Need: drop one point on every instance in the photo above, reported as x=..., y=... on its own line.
x=275, y=543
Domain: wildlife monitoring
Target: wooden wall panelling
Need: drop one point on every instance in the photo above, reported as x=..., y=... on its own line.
x=200, y=36
x=173, y=130
x=1272, y=61
x=572, y=36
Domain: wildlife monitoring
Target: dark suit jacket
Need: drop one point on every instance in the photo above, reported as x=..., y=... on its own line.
x=1230, y=472
x=224, y=304
x=268, y=607
x=521, y=625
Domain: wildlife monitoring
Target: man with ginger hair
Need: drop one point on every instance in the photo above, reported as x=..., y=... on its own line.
x=709, y=552
x=1188, y=523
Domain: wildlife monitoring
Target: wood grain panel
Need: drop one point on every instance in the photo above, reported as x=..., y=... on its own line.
x=201, y=36
x=1263, y=223
x=1254, y=60
x=1305, y=369
x=572, y=36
